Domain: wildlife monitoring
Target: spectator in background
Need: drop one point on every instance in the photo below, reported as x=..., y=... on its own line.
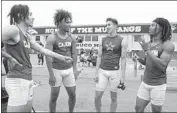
x=40, y=56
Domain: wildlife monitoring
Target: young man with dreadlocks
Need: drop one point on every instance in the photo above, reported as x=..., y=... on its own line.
x=158, y=54
x=17, y=43
x=64, y=43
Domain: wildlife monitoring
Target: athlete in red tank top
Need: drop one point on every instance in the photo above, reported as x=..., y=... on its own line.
x=17, y=43
x=158, y=54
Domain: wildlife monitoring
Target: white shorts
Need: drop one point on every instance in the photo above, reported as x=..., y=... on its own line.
x=108, y=76
x=20, y=91
x=155, y=94
x=65, y=76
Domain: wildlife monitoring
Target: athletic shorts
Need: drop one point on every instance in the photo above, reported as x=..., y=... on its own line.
x=155, y=94
x=20, y=91
x=65, y=76
x=108, y=76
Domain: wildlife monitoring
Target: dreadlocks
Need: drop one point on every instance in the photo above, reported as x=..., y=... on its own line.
x=60, y=15
x=166, y=28
x=18, y=12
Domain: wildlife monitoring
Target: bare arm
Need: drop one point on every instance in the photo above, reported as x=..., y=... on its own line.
x=49, y=45
x=124, y=45
x=99, y=55
x=74, y=54
x=162, y=62
x=10, y=33
x=46, y=52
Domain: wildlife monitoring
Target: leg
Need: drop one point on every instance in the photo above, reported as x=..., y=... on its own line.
x=156, y=108
x=53, y=98
x=72, y=97
x=55, y=90
x=113, y=105
x=140, y=104
x=143, y=97
x=42, y=60
x=70, y=85
x=114, y=82
x=100, y=88
x=98, y=104
x=158, y=97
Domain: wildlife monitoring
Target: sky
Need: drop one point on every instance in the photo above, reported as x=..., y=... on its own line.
x=96, y=12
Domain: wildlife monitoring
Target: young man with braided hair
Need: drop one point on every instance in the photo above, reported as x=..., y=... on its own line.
x=112, y=48
x=158, y=55
x=17, y=42
x=64, y=43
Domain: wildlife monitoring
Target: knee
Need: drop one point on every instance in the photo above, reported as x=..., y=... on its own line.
x=72, y=95
x=114, y=99
x=156, y=109
x=53, y=97
x=138, y=108
x=97, y=98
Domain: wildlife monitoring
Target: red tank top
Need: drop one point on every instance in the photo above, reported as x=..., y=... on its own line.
x=63, y=47
x=20, y=52
x=111, y=53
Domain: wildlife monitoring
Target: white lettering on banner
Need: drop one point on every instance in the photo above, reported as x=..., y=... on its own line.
x=50, y=30
x=72, y=29
x=121, y=29
x=85, y=30
x=100, y=29
x=129, y=29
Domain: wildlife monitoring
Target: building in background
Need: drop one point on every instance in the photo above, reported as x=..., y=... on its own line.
x=92, y=33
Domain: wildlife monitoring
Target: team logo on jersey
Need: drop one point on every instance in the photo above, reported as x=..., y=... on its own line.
x=26, y=44
x=64, y=44
x=110, y=47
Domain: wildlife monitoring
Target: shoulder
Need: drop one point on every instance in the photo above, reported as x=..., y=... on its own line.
x=120, y=37
x=168, y=46
x=51, y=38
x=73, y=37
x=10, y=30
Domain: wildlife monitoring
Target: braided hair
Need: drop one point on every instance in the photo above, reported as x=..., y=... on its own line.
x=60, y=15
x=166, y=28
x=17, y=13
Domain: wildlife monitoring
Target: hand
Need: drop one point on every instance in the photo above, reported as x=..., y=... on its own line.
x=96, y=78
x=121, y=86
x=52, y=80
x=14, y=62
x=67, y=59
x=145, y=46
x=76, y=73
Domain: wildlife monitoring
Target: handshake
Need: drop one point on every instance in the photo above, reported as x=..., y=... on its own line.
x=121, y=86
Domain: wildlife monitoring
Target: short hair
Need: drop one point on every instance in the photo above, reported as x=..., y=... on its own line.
x=18, y=12
x=60, y=15
x=113, y=20
x=166, y=28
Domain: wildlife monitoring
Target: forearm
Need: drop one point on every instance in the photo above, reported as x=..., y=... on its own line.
x=74, y=56
x=49, y=53
x=6, y=55
x=123, y=67
x=156, y=61
x=98, y=63
x=49, y=65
